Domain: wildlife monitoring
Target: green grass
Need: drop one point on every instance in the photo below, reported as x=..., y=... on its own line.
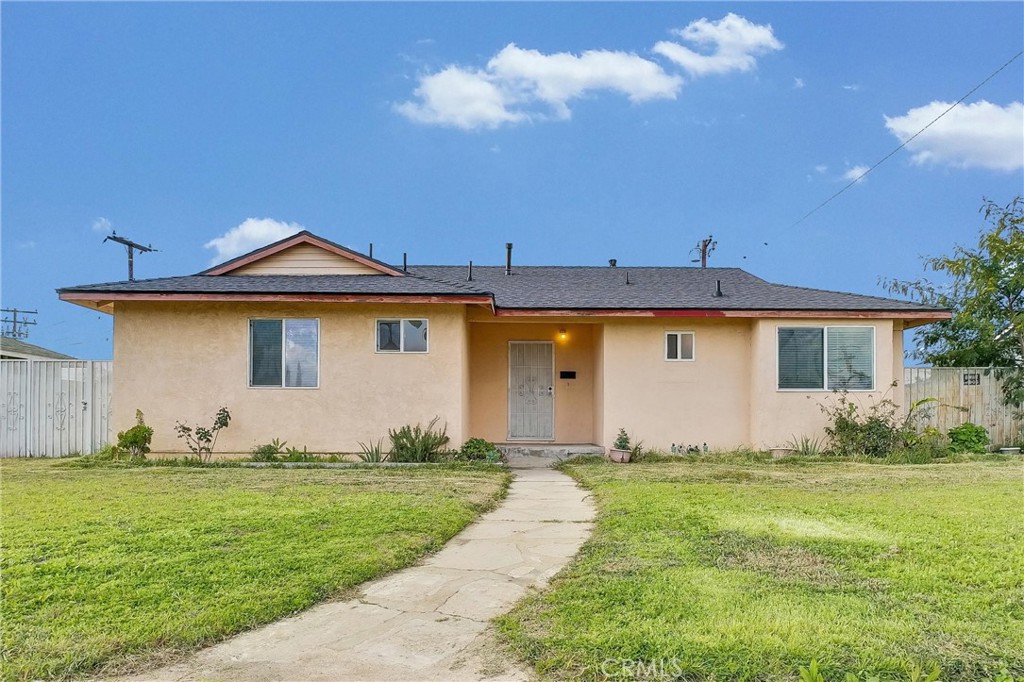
x=106, y=569
x=748, y=570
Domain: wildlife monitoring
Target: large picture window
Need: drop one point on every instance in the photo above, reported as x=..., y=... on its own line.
x=826, y=358
x=284, y=353
x=402, y=336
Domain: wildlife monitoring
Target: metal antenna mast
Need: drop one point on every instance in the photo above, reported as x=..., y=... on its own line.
x=132, y=247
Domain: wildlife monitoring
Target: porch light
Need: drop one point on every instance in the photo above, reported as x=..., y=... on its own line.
x=562, y=335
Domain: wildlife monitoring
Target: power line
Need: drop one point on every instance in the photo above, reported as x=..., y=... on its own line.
x=13, y=327
x=908, y=140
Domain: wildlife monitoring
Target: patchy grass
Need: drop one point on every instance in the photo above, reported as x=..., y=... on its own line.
x=748, y=570
x=105, y=569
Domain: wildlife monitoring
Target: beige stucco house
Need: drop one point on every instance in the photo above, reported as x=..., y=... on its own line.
x=310, y=342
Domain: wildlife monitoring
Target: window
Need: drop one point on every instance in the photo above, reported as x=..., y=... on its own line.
x=826, y=358
x=679, y=345
x=401, y=336
x=284, y=353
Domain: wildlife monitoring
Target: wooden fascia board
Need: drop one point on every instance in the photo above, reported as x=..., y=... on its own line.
x=82, y=298
x=923, y=316
x=266, y=252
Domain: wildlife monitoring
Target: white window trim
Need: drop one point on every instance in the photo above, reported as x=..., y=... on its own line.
x=284, y=350
x=401, y=335
x=693, y=345
x=824, y=358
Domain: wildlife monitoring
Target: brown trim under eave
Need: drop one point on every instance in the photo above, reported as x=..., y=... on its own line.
x=302, y=238
x=78, y=297
x=692, y=312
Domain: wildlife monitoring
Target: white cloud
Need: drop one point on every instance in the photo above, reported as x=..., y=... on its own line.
x=979, y=135
x=821, y=169
x=102, y=225
x=249, y=235
x=515, y=81
x=798, y=83
x=519, y=85
x=852, y=88
x=732, y=44
x=854, y=173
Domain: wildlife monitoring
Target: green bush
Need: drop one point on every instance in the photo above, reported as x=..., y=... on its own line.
x=478, y=449
x=373, y=453
x=878, y=431
x=622, y=441
x=202, y=440
x=135, y=441
x=268, y=452
x=418, y=444
x=969, y=438
x=806, y=446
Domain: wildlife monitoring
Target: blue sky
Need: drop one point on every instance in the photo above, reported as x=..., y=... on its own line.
x=580, y=132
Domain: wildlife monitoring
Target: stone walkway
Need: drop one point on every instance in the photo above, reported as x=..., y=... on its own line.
x=427, y=622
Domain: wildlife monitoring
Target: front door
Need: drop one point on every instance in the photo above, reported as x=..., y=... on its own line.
x=531, y=399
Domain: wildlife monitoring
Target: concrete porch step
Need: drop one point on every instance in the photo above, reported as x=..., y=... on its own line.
x=535, y=455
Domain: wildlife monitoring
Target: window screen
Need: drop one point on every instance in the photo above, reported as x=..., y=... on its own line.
x=679, y=346
x=851, y=358
x=284, y=353
x=402, y=336
x=801, y=357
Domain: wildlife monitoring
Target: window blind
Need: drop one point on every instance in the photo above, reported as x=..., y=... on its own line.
x=265, y=352
x=851, y=358
x=801, y=357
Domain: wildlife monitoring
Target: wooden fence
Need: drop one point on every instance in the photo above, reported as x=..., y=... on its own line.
x=964, y=394
x=51, y=408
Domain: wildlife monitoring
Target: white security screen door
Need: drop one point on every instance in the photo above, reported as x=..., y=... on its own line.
x=531, y=400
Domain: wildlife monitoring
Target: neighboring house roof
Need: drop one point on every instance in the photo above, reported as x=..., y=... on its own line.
x=528, y=290
x=17, y=349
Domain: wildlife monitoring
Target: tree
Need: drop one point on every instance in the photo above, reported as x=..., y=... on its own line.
x=985, y=292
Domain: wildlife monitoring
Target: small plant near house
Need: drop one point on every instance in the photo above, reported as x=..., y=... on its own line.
x=202, y=440
x=372, y=453
x=479, y=449
x=268, y=452
x=806, y=446
x=877, y=431
x=969, y=437
x=418, y=443
x=622, y=440
x=135, y=441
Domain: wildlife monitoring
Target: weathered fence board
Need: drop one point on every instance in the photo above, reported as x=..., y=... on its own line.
x=964, y=394
x=51, y=408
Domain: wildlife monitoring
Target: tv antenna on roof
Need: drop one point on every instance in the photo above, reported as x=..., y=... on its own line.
x=705, y=247
x=132, y=247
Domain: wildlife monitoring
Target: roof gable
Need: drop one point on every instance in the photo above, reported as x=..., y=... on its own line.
x=303, y=254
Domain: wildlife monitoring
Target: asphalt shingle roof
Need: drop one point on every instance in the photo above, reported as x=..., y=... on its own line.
x=11, y=345
x=539, y=287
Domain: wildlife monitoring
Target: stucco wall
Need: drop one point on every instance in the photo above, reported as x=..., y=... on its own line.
x=182, y=361
x=574, y=406
x=662, y=402
x=777, y=417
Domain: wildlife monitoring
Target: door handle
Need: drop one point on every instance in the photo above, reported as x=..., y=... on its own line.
x=551, y=390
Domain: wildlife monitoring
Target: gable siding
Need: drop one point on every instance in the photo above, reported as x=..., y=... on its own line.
x=304, y=259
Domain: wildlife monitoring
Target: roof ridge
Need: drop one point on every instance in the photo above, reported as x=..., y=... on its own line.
x=856, y=295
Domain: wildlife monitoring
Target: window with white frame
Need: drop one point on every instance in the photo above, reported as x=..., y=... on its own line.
x=826, y=358
x=284, y=353
x=679, y=345
x=402, y=336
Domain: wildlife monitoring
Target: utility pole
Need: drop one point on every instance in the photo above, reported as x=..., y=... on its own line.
x=13, y=327
x=132, y=248
x=705, y=247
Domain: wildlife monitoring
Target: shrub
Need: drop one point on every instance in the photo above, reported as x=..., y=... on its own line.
x=135, y=441
x=875, y=432
x=373, y=453
x=202, y=440
x=806, y=446
x=622, y=440
x=476, y=449
x=268, y=452
x=969, y=437
x=418, y=444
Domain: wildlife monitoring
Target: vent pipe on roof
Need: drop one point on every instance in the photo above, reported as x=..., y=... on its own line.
x=405, y=262
x=371, y=249
x=627, y=277
x=508, y=258
x=612, y=262
x=469, y=277
x=718, y=288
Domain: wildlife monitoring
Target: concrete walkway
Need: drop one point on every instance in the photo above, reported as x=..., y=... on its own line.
x=427, y=622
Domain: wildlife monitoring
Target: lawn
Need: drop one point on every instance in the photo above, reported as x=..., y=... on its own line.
x=105, y=569
x=748, y=571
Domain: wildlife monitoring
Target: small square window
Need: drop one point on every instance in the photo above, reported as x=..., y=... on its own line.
x=679, y=345
x=402, y=336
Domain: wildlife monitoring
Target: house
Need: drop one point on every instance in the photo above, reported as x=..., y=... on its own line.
x=316, y=344
x=16, y=349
